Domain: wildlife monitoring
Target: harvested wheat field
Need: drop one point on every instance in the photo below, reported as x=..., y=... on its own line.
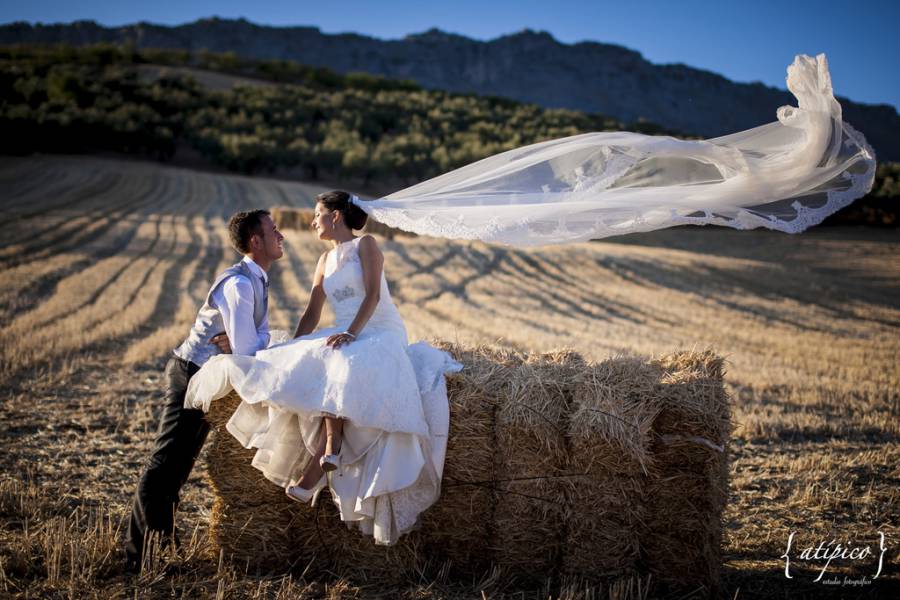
x=104, y=262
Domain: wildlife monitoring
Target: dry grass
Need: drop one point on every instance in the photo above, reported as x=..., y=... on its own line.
x=102, y=262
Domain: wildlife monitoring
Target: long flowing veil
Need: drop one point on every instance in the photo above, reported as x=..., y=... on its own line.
x=786, y=175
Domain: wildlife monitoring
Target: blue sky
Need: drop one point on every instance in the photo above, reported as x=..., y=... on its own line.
x=744, y=41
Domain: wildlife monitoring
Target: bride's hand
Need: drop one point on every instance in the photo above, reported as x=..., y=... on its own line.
x=338, y=339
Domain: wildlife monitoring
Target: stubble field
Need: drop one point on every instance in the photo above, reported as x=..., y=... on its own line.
x=104, y=262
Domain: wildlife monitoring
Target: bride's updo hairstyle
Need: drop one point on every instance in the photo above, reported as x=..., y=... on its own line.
x=338, y=200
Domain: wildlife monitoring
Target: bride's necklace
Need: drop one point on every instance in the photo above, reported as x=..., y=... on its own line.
x=340, y=253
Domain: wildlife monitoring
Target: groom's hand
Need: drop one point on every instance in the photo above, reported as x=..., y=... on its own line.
x=222, y=342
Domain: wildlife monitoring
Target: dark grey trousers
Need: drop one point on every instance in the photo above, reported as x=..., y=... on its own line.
x=179, y=440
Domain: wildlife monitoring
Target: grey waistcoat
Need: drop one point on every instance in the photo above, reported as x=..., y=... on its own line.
x=197, y=347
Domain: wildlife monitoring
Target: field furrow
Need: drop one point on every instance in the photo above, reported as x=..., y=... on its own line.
x=83, y=229
x=183, y=288
x=93, y=281
x=99, y=299
x=55, y=179
x=30, y=281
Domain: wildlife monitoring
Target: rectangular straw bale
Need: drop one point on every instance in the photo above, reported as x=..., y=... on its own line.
x=330, y=546
x=460, y=526
x=377, y=228
x=600, y=529
x=458, y=529
x=251, y=518
x=686, y=496
x=460, y=522
x=609, y=437
x=695, y=401
x=257, y=536
x=681, y=538
x=288, y=217
x=533, y=459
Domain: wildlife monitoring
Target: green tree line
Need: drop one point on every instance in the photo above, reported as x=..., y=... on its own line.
x=880, y=207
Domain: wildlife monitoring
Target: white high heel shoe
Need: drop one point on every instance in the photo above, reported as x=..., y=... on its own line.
x=295, y=492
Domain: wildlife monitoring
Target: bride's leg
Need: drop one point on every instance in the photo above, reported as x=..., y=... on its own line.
x=314, y=471
x=334, y=428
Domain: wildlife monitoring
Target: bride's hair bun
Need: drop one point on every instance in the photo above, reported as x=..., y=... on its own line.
x=339, y=200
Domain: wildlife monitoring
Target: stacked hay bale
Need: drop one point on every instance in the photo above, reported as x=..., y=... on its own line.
x=327, y=546
x=460, y=526
x=287, y=217
x=687, y=488
x=533, y=471
x=252, y=520
x=609, y=432
x=385, y=231
x=554, y=468
x=457, y=533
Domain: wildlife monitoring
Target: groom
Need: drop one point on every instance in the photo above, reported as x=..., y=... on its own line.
x=234, y=318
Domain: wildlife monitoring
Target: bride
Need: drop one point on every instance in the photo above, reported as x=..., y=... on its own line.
x=352, y=406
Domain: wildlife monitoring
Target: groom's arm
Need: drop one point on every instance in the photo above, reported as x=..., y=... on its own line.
x=235, y=301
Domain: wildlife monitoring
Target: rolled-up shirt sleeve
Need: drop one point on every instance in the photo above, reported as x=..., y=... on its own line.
x=236, y=306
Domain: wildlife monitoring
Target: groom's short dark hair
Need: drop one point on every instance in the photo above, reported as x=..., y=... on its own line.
x=244, y=225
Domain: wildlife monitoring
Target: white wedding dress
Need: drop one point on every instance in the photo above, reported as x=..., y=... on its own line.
x=392, y=395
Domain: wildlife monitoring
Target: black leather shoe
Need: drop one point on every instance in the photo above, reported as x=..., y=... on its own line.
x=132, y=566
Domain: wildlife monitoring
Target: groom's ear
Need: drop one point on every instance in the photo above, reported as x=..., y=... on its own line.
x=255, y=241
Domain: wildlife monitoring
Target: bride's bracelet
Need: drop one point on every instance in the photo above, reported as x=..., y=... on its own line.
x=348, y=333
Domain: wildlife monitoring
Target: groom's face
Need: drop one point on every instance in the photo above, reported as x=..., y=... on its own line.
x=269, y=242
